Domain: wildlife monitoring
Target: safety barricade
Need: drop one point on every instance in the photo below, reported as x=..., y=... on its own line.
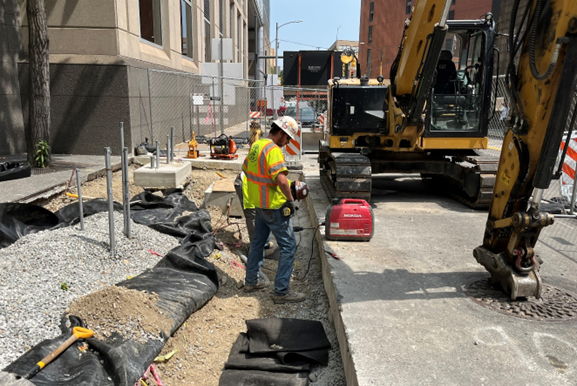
x=254, y=114
x=293, y=150
x=569, y=168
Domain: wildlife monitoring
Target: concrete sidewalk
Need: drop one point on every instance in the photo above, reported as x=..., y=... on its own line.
x=401, y=306
x=44, y=183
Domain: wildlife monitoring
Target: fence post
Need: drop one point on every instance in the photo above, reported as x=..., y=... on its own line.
x=573, y=195
x=150, y=105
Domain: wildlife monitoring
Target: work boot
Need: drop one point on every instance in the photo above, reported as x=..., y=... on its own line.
x=255, y=287
x=289, y=297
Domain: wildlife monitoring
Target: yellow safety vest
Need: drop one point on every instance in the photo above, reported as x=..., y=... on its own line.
x=261, y=167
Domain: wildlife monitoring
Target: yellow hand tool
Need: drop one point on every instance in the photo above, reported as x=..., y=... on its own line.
x=77, y=333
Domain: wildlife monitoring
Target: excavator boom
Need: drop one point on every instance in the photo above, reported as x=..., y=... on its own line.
x=541, y=86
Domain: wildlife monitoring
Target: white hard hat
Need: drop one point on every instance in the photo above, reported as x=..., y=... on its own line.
x=288, y=125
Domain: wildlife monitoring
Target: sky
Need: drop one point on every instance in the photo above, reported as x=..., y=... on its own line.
x=321, y=21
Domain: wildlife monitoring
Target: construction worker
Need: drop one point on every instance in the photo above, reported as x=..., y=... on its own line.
x=267, y=189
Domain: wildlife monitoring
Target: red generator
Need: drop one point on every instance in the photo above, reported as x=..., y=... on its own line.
x=349, y=219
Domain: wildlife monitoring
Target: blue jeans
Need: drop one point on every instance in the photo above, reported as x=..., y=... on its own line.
x=267, y=221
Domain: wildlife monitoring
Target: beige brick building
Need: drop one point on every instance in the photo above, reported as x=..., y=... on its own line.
x=102, y=53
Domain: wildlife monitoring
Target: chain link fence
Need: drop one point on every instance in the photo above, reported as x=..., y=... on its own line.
x=562, y=235
x=191, y=103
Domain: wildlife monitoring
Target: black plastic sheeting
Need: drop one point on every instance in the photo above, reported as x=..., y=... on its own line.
x=17, y=220
x=11, y=169
x=276, y=351
x=183, y=280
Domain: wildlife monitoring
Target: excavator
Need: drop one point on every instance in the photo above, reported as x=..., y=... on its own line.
x=430, y=118
x=408, y=125
x=541, y=75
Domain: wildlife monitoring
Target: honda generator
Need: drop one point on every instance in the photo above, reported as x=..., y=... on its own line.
x=349, y=219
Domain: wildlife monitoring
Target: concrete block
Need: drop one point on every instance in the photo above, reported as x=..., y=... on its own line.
x=310, y=142
x=172, y=175
x=219, y=194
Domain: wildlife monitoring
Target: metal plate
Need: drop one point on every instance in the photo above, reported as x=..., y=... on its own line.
x=555, y=304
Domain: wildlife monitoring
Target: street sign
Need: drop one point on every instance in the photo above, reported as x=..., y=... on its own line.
x=197, y=100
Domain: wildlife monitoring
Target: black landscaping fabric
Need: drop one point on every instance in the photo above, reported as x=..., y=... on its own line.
x=17, y=220
x=239, y=358
x=14, y=167
x=276, y=351
x=70, y=214
x=183, y=280
x=262, y=378
x=285, y=335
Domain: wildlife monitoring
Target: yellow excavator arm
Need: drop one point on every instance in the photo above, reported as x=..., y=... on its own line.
x=541, y=86
x=426, y=15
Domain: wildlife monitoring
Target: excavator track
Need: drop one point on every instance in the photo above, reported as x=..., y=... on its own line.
x=477, y=188
x=345, y=175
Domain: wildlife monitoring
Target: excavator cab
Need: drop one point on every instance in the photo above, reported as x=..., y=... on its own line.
x=460, y=96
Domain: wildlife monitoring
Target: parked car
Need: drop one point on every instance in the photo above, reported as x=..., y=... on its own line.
x=306, y=116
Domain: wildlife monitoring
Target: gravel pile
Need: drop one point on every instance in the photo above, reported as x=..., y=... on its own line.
x=42, y=273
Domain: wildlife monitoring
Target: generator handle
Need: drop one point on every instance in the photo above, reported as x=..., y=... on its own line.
x=353, y=201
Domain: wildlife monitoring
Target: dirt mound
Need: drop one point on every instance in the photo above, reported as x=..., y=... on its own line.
x=132, y=314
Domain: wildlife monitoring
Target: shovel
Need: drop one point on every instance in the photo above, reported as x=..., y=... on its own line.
x=77, y=333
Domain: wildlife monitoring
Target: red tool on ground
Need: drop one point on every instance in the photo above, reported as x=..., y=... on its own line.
x=349, y=219
x=223, y=147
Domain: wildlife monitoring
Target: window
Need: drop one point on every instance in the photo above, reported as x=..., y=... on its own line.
x=207, y=30
x=239, y=37
x=370, y=34
x=369, y=57
x=232, y=19
x=371, y=11
x=186, y=28
x=150, y=21
x=409, y=6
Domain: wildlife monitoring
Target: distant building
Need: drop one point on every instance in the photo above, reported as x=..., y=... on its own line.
x=101, y=52
x=381, y=29
x=341, y=45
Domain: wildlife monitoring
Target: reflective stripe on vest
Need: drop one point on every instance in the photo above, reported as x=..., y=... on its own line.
x=260, y=187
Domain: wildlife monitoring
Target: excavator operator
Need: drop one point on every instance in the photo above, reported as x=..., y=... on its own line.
x=446, y=74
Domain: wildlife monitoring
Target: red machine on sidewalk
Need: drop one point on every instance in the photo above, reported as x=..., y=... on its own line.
x=349, y=219
x=223, y=147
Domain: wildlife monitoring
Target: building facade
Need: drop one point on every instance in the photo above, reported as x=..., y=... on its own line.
x=381, y=29
x=102, y=54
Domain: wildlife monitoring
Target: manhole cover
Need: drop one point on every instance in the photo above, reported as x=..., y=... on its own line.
x=555, y=304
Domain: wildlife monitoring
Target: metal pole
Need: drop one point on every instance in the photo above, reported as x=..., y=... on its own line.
x=125, y=192
x=573, y=195
x=157, y=163
x=198, y=120
x=80, y=203
x=182, y=126
x=248, y=103
x=107, y=163
x=221, y=71
x=150, y=105
x=264, y=102
x=276, y=50
x=212, y=104
x=171, y=144
x=124, y=162
x=121, y=135
x=189, y=117
x=167, y=148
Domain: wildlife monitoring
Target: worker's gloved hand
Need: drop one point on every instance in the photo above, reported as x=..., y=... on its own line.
x=288, y=209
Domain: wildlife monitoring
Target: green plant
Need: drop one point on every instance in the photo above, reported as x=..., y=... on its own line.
x=64, y=286
x=41, y=154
